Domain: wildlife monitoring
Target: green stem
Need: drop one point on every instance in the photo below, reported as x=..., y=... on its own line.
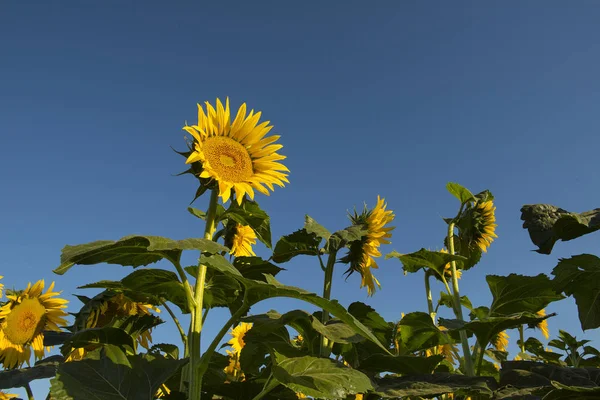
x=205, y=359
x=480, y=361
x=29, y=392
x=429, y=296
x=269, y=385
x=179, y=328
x=325, y=347
x=458, y=307
x=195, y=389
x=522, y=338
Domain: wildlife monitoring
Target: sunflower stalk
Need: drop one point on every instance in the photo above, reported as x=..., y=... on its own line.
x=457, y=305
x=29, y=392
x=327, y=281
x=195, y=387
x=429, y=296
x=522, y=338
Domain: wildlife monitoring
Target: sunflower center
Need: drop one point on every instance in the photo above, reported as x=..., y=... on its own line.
x=228, y=158
x=25, y=321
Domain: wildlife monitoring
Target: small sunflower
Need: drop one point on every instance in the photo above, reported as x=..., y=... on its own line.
x=543, y=326
x=362, y=254
x=501, y=341
x=298, y=341
x=238, y=333
x=7, y=396
x=243, y=240
x=236, y=154
x=117, y=306
x=234, y=369
x=448, y=269
x=24, y=318
x=301, y=395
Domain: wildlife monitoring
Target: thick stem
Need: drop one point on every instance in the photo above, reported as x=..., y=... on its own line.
x=457, y=306
x=429, y=296
x=29, y=392
x=327, y=281
x=480, y=361
x=195, y=389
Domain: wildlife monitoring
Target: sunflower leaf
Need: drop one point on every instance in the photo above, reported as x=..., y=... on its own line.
x=548, y=224
x=435, y=260
x=418, y=332
x=579, y=276
x=460, y=192
x=298, y=243
x=134, y=251
x=518, y=293
x=312, y=226
x=432, y=385
x=408, y=364
x=320, y=377
x=104, y=380
x=197, y=213
x=345, y=236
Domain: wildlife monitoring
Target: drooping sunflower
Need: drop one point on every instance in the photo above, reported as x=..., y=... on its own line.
x=500, y=342
x=24, y=318
x=238, y=333
x=483, y=224
x=543, y=326
x=362, y=254
x=236, y=154
x=117, y=306
x=242, y=241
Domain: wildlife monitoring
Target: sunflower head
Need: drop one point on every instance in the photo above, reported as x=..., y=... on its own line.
x=477, y=224
x=543, y=326
x=238, y=333
x=240, y=239
x=500, y=342
x=235, y=155
x=24, y=318
x=233, y=370
x=362, y=253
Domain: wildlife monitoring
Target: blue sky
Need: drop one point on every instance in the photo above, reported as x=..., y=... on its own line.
x=390, y=98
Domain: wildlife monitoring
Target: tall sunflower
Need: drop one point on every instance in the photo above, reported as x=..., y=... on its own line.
x=24, y=318
x=362, y=253
x=543, y=326
x=236, y=154
x=242, y=241
x=117, y=306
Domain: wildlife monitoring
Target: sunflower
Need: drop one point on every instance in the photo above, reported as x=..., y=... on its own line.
x=7, y=396
x=501, y=341
x=117, y=306
x=238, y=333
x=448, y=268
x=236, y=154
x=1, y=288
x=234, y=369
x=24, y=318
x=362, y=253
x=484, y=229
x=242, y=241
x=543, y=326
x=301, y=395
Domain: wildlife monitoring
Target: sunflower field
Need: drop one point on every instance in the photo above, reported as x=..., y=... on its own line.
x=103, y=348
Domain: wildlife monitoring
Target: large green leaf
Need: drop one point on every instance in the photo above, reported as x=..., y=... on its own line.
x=435, y=385
x=258, y=291
x=523, y=374
x=367, y=315
x=536, y=347
x=115, y=341
x=518, y=293
x=43, y=369
x=149, y=285
x=250, y=214
x=485, y=329
x=312, y=226
x=378, y=363
x=132, y=251
x=569, y=392
x=424, y=258
x=343, y=237
x=320, y=377
x=255, y=267
x=579, y=276
x=298, y=243
x=547, y=224
x=460, y=192
x=104, y=380
x=418, y=332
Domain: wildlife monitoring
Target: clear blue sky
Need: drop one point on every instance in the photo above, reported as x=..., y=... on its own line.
x=388, y=97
